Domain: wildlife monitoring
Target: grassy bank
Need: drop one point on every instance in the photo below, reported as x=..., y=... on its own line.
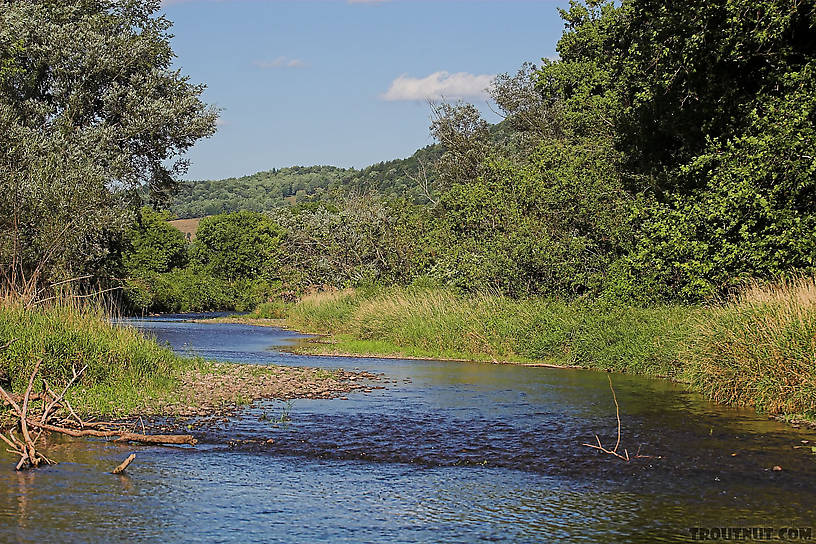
x=759, y=350
x=440, y=324
x=127, y=372
x=130, y=374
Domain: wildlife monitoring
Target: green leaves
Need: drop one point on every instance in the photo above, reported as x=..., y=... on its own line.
x=238, y=245
x=90, y=111
x=154, y=245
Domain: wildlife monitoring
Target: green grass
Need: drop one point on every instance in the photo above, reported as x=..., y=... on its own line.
x=434, y=323
x=126, y=370
x=758, y=350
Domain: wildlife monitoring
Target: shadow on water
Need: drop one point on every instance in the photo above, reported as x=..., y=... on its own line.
x=452, y=452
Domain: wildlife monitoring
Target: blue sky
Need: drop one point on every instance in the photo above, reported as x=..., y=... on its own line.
x=343, y=82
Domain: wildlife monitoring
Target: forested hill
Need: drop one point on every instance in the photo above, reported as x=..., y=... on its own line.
x=271, y=189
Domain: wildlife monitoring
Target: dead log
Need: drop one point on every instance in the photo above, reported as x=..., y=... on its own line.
x=121, y=468
x=175, y=439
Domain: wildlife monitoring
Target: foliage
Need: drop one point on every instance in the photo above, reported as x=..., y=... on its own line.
x=711, y=108
x=668, y=154
x=90, y=110
x=238, y=245
x=231, y=265
x=181, y=290
x=154, y=245
x=357, y=241
x=549, y=225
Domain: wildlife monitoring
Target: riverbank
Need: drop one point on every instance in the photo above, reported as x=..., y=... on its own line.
x=127, y=374
x=757, y=350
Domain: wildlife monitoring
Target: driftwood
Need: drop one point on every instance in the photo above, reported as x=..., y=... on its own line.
x=121, y=468
x=614, y=451
x=121, y=436
x=48, y=422
x=29, y=457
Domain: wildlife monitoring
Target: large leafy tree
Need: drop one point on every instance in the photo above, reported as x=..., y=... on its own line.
x=92, y=112
x=710, y=108
x=240, y=245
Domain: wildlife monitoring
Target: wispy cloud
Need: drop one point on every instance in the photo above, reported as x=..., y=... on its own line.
x=438, y=85
x=367, y=1
x=279, y=62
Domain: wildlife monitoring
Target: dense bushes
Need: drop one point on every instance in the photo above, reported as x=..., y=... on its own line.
x=668, y=154
x=229, y=266
x=241, y=259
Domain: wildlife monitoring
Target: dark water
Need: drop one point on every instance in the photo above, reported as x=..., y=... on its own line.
x=451, y=452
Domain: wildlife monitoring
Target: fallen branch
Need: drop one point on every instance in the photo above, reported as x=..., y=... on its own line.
x=32, y=454
x=47, y=421
x=29, y=457
x=58, y=398
x=614, y=451
x=121, y=468
x=121, y=436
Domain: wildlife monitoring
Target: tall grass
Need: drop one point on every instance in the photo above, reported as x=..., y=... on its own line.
x=439, y=323
x=757, y=350
x=126, y=371
x=760, y=350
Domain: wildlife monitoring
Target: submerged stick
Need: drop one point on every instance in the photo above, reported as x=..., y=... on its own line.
x=121, y=468
x=600, y=447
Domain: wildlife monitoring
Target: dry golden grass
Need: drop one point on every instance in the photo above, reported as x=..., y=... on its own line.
x=760, y=349
x=189, y=227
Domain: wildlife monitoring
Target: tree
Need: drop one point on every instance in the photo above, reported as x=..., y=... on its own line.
x=91, y=111
x=241, y=245
x=154, y=245
x=709, y=107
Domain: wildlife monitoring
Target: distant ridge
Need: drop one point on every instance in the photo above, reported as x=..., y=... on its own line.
x=264, y=191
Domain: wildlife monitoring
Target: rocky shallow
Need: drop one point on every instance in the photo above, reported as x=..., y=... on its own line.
x=222, y=387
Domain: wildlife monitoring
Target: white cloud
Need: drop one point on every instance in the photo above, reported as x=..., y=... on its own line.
x=280, y=62
x=438, y=85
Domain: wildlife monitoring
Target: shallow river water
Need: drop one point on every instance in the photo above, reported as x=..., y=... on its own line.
x=451, y=452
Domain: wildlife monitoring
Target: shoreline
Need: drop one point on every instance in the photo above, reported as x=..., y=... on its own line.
x=311, y=345
x=217, y=389
x=312, y=339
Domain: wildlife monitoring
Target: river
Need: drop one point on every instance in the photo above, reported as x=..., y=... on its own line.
x=447, y=452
